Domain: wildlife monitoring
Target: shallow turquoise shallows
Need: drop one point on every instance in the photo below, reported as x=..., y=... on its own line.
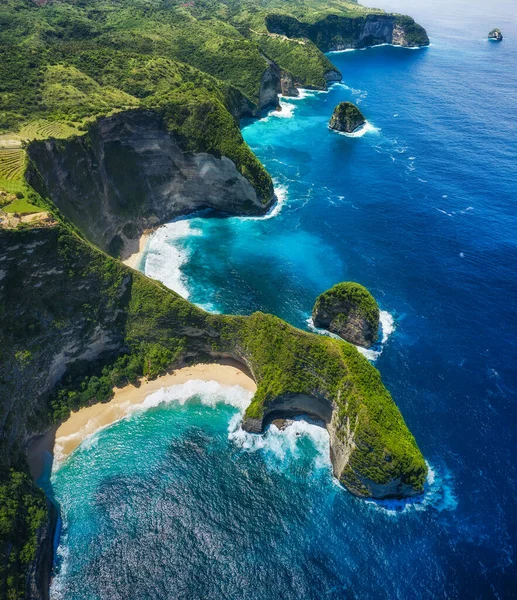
x=177, y=503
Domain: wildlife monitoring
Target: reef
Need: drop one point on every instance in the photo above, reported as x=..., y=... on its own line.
x=346, y=118
x=350, y=311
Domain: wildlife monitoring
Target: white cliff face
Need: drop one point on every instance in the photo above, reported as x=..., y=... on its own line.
x=130, y=174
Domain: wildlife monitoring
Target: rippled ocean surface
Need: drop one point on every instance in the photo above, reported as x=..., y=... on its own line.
x=176, y=502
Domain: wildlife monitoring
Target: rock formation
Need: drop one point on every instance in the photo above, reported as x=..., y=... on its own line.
x=337, y=32
x=495, y=35
x=129, y=174
x=350, y=311
x=346, y=118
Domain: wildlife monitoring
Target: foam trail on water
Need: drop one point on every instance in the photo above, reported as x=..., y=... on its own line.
x=165, y=257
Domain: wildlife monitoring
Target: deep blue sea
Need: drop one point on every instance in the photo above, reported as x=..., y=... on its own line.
x=176, y=502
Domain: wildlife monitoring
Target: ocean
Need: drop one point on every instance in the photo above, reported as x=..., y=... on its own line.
x=176, y=502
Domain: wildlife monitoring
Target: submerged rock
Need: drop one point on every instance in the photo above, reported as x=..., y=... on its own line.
x=496, y=35
x=346, y=118
x=350, y=311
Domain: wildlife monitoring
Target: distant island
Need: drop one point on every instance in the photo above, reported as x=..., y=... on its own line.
x=495, y=35
x=110, y=127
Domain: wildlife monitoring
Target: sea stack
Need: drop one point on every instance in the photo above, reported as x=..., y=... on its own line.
x=495, y=35
x=346, y=118
x=350, y=311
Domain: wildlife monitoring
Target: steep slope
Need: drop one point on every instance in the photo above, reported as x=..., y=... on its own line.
x=128, y=174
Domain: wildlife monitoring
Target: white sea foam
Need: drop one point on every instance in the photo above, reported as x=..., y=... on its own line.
x=443, y=211
x=286, y=111
x=280, y=445
x=386, y=328
x=305, y=93
x=367, y=127
x=209, y=393
x=281, y=193
x=165, y=258
x=377, y=46
x=438, y=495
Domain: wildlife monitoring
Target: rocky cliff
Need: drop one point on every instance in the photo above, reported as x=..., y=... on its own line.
x=128, y=173
x=335, y=32
x=350, y=311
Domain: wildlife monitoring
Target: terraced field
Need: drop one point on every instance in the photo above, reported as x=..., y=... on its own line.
x=40, y=130
x=12, y=162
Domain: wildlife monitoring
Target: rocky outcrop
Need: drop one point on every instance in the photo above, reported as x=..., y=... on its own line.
x=495, y=35
x=346, y=118
x=350, y=311
x=270, y=86
x=128, y=174
x=332, y=75
x=336, y=32
x=342, y=443
x=287, y=84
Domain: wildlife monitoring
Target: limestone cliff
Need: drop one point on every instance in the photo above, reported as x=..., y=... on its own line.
x=335, y=32
x=128, y=173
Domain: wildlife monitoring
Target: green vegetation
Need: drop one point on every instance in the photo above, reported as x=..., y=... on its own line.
x=300, y=57
x=350, y=293
x=21, y=206
x=12, y=163
x=414, y=33
x=22, y=512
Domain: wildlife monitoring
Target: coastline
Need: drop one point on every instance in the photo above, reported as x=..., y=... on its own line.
x=60, y=441
x=134, y=259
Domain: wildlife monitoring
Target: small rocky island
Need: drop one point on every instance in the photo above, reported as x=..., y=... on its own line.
x=495, y=35
x=350, y=311
x=346, y=118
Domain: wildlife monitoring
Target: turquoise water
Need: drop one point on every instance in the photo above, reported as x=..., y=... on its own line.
x=176, y=502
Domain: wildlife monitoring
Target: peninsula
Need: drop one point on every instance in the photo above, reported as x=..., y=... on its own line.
x=115, y=119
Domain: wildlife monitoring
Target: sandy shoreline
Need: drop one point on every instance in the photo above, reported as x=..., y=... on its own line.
x=133, y=261
x=63, y=440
